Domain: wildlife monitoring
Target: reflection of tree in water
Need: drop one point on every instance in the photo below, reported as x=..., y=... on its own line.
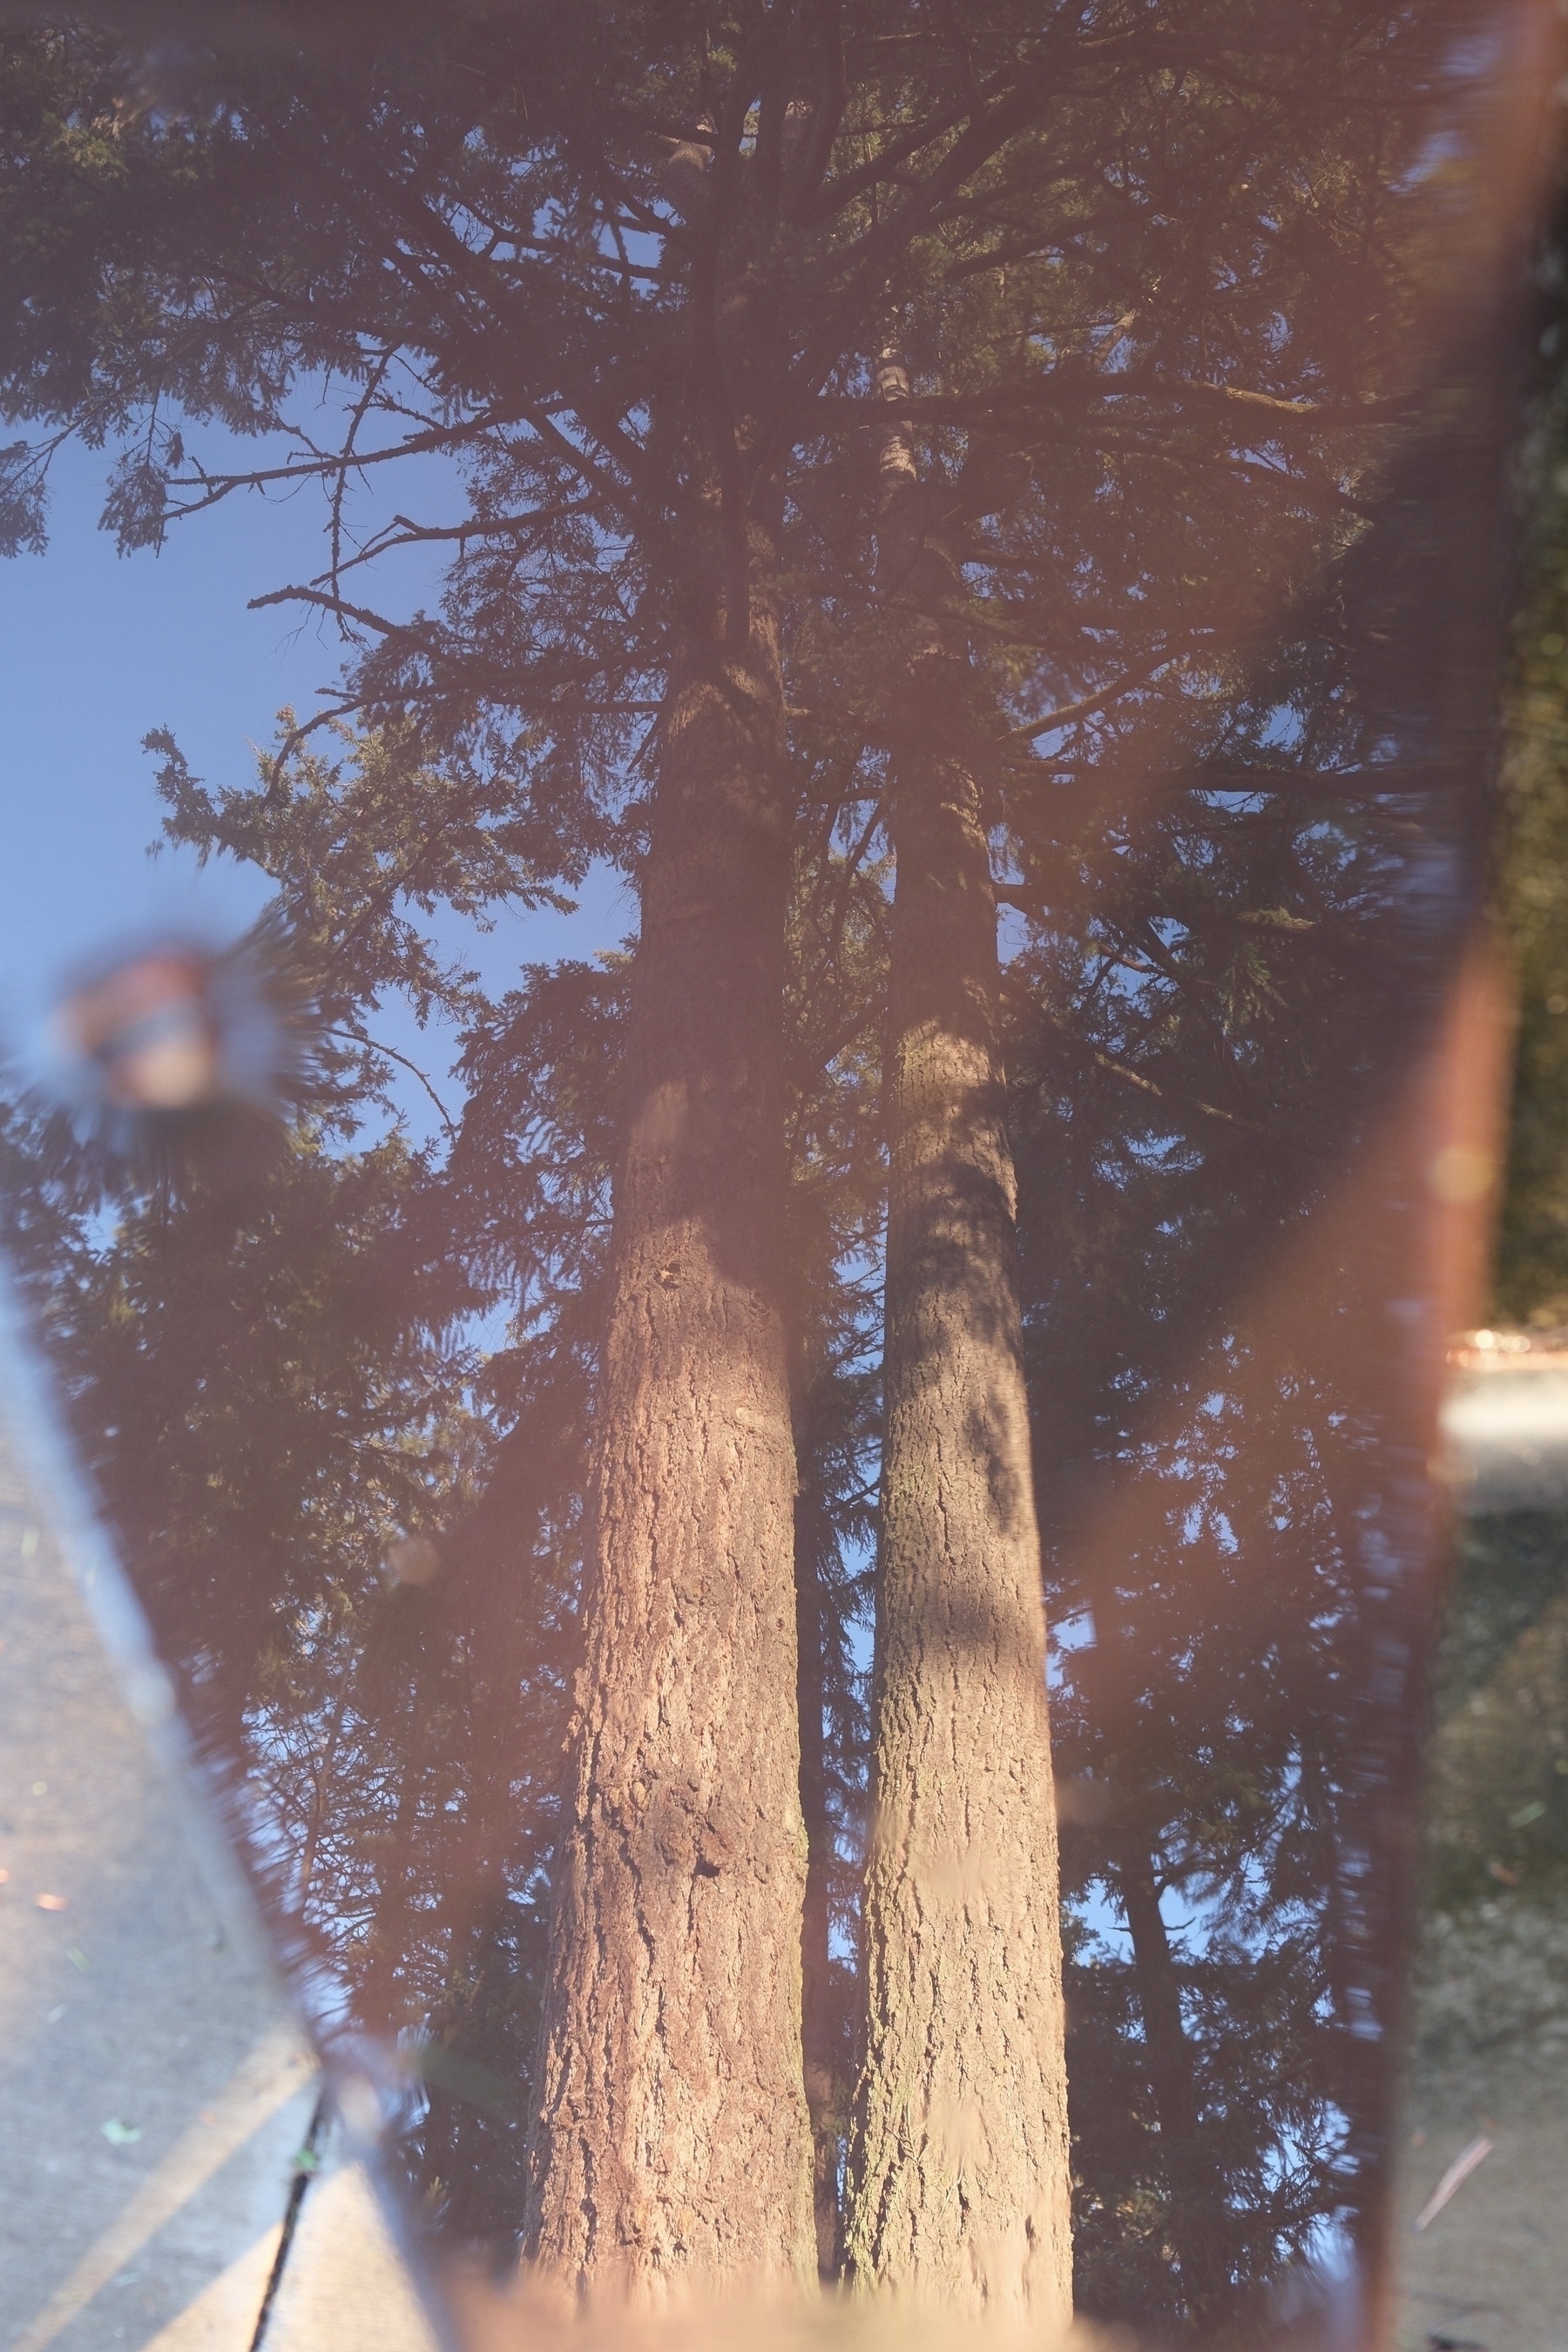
x=1208, y=1380
x=274, y=1392
x=273, y=1385
x=276, y=1386
x=1207, y=1721
x=275, y=1389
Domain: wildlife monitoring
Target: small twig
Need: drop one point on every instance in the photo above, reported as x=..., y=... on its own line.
x=1458, y=2172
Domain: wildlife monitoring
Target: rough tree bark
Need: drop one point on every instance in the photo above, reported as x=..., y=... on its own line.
x=673, y=2144
x=959, y=2156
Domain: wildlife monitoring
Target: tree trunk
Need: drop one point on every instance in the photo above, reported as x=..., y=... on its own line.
x=959, y=2162
x=673, y=2144
x=816, y=1958
x=1196, y=2195
x=812, y=1536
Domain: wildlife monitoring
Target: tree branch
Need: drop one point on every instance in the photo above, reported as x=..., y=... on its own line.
x=390, y=1053
x=328, y=604
x=1069, y=711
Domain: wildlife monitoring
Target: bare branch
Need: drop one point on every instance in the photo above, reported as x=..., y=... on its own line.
x=439, y=438
x=390, y=1053
x=1069, y=711
x=328, y=604
x=403, y=532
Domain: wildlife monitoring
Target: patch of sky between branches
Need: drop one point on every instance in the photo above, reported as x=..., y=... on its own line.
x=101, y=649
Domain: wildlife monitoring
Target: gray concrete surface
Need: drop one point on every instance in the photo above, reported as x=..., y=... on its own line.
x=153, y=2091
x=1492, y=2269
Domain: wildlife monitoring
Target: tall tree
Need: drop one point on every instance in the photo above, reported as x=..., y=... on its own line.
x=837, y=983
x=621, y=265
x=672, y=2132
x=957, y=2170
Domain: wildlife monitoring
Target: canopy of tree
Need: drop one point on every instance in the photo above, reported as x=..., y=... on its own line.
x=865, y=437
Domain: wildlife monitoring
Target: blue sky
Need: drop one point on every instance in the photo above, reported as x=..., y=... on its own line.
x=96, y=648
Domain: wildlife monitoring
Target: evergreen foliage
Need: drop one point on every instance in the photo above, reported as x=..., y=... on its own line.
x=624, y=272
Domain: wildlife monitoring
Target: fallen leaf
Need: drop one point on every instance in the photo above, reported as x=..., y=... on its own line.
x=52, y=1902
x=76, y=1957
x=120, y=2134
x=1503, y=1874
